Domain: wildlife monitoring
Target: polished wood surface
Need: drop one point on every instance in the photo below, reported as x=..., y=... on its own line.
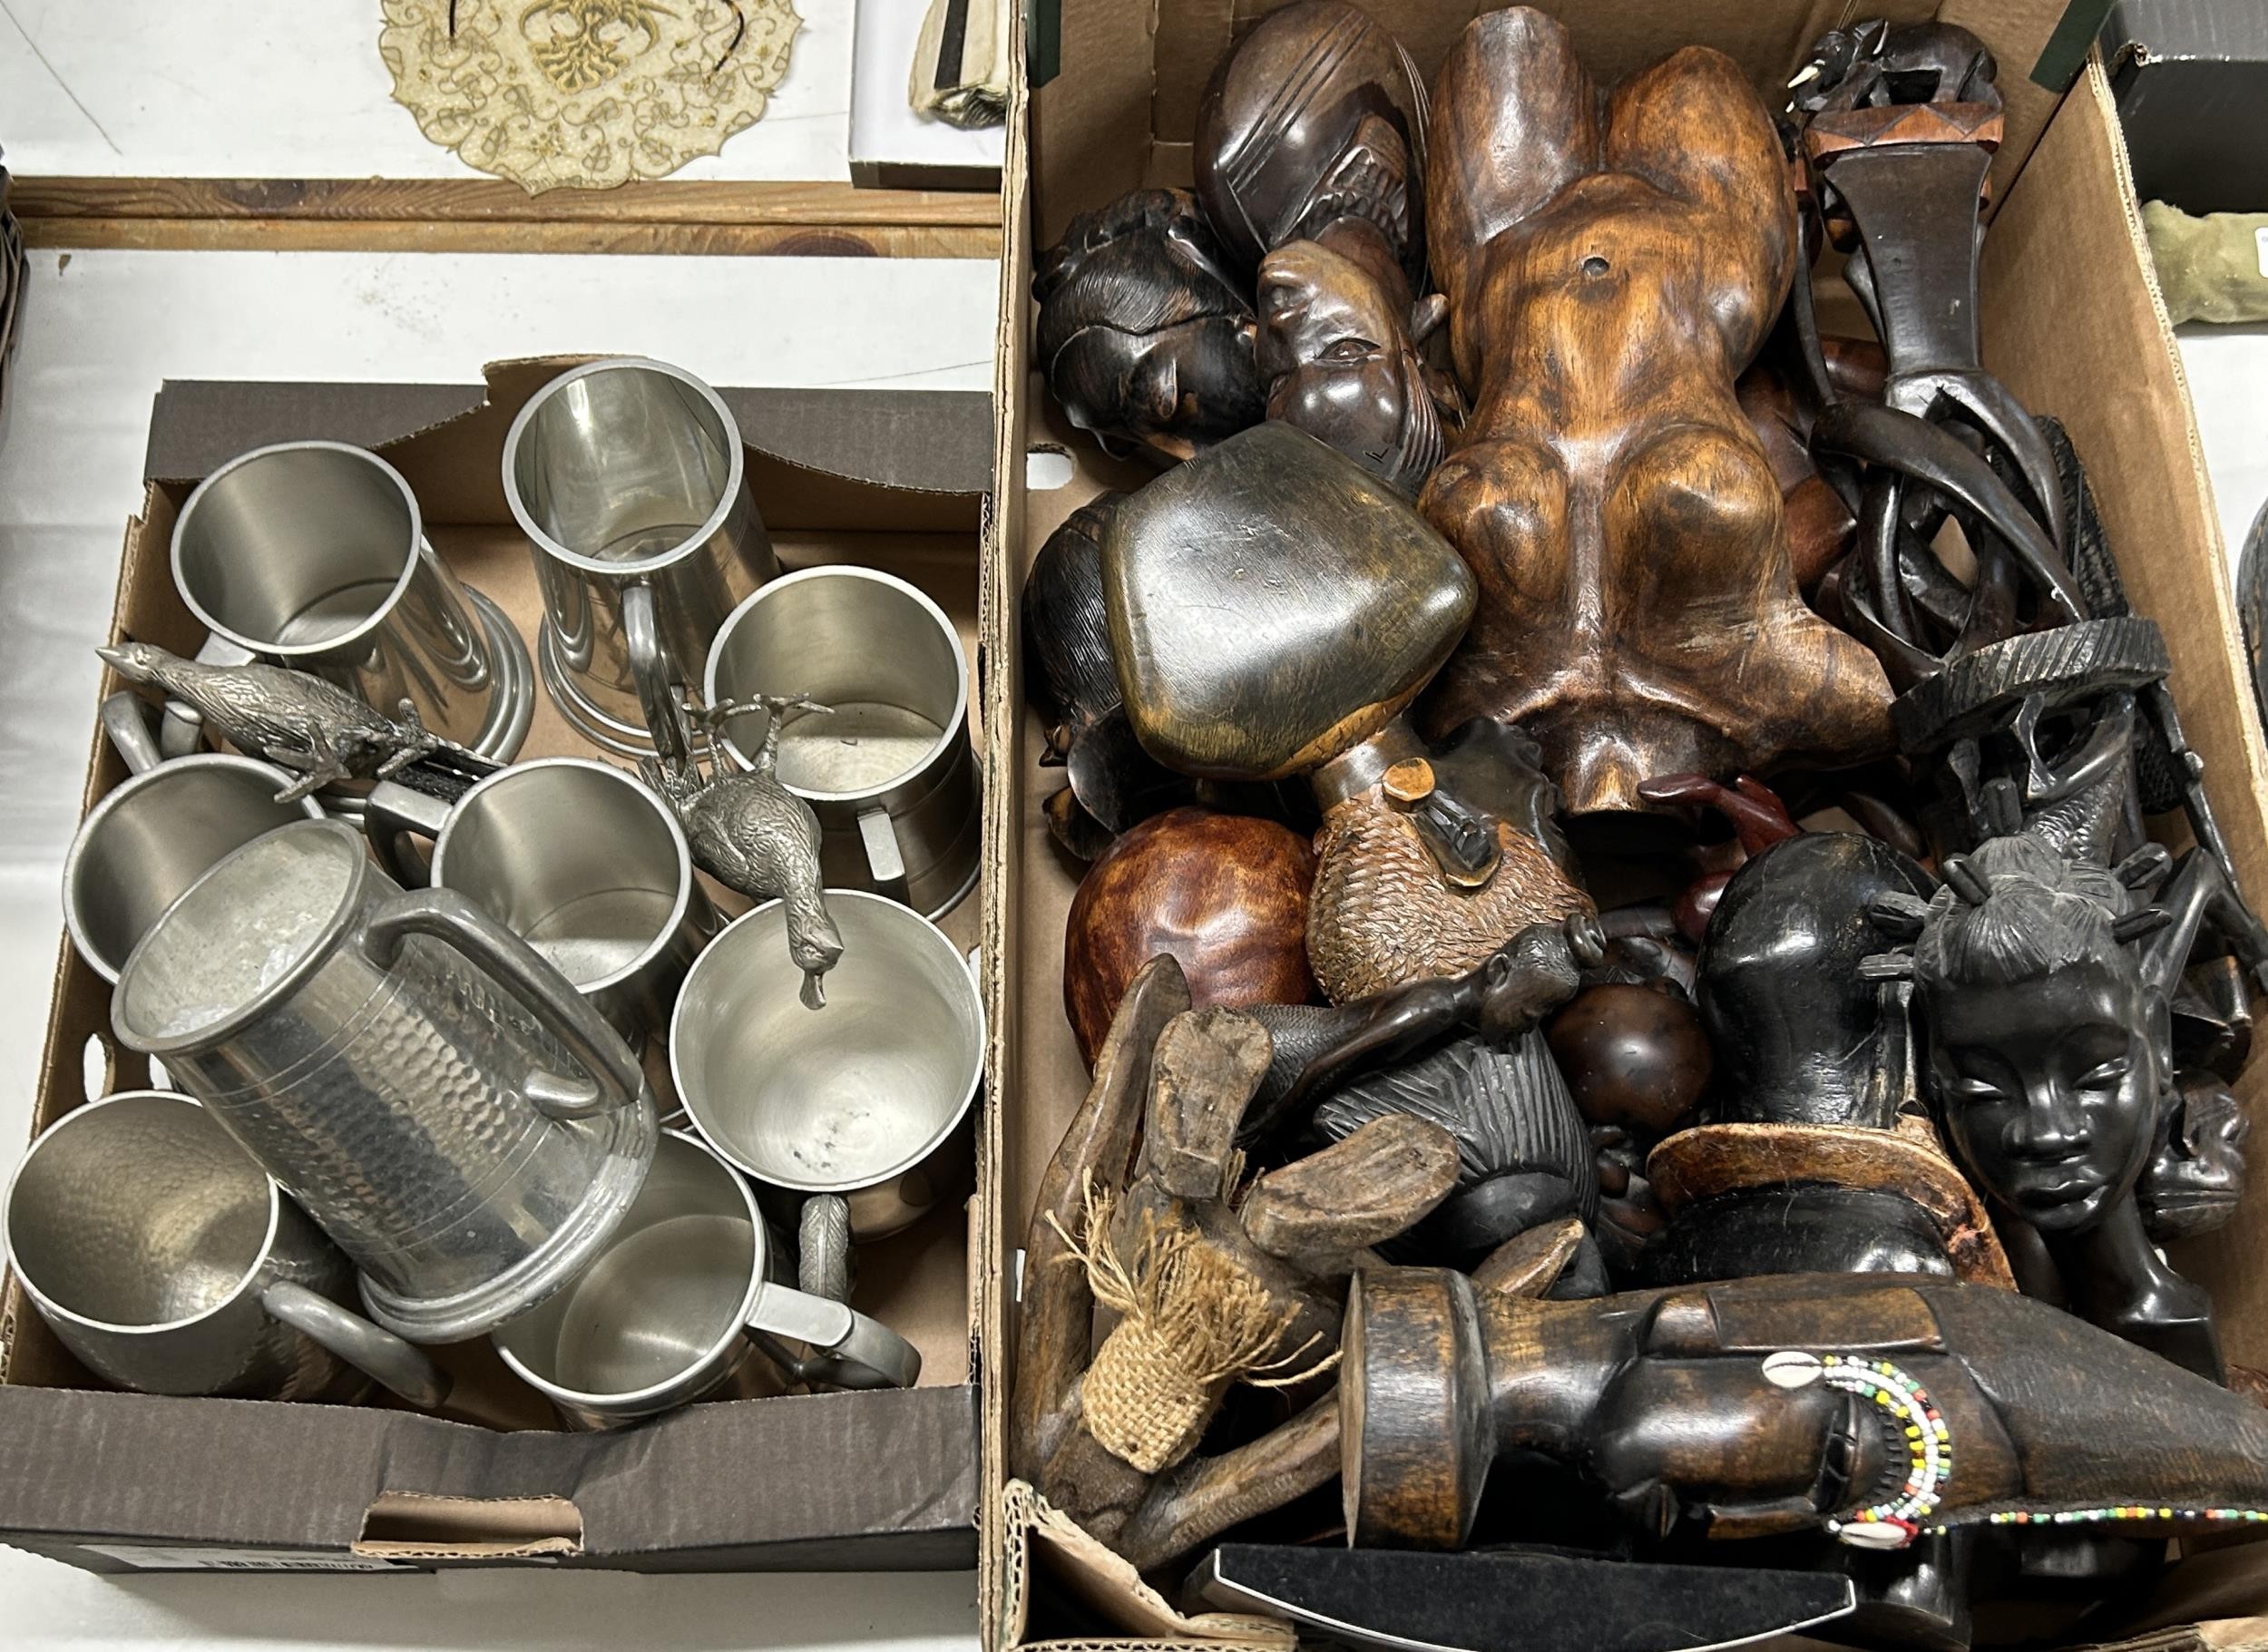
x=1640, y=613
x=1225, y=894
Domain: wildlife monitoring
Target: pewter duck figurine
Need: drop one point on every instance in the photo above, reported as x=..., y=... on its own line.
x=295, y=720
x=751, y=833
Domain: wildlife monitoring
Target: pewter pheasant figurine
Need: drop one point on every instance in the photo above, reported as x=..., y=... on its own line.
x=751, y=833
x=297, y=721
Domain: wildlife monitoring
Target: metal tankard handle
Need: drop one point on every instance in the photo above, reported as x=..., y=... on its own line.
x=379, y=1355
x=444, y=915
x=391, y=813
x=651, y=673
x=848, y=1349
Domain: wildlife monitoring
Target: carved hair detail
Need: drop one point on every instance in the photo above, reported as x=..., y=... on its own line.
x=2038, y=913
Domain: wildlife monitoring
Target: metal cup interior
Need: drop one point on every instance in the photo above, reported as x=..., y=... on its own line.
x=138, y=1211
x=622, y=463
x=838, y=1099
x=238, y=933
x=153, y=836
x=872, y=648
x=672, y=1288
x=579, y=860
x=296, y=548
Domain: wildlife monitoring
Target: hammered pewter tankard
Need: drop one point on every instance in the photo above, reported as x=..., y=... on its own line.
x=887, y=766
x=170, y=1263
x=684, y=1293
x=581, y=860
x=436, y=1095
x=313, y=555
x=863, y=1099
x=629, y=479
x=158, y=831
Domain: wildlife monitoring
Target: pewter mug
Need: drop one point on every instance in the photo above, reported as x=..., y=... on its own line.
x=887, y=766
x=313, y=555
x=436, y=1095
x=158, y=832
x=672, y=1310
x=864, y=1099
x=170, y=1263
x=581, y=860
x=629, y=479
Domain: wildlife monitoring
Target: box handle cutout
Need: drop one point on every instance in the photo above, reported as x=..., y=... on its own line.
x=1046, y=468
x=419, y=1523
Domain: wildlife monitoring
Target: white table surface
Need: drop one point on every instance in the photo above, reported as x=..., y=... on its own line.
x=103, y=329
x=295, y=89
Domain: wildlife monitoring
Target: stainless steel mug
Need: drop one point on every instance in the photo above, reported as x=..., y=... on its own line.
x=581, y=860
x=629, y=479
x=887, y=767
x=313, y=555
x=158, y=832
x=436, y=1095
x=684, y=1293
x=168, y=1262
x=863, y=1099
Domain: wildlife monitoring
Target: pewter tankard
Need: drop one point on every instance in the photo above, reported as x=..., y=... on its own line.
x=313, y=555
x=630, y=481
x=170, y=1263
x=439, y=1099
x=887, y=767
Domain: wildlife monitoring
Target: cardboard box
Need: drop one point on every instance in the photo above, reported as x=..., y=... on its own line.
x=2072, y=321
x=892, y=147
x=116, y=1482
x=2191, y=78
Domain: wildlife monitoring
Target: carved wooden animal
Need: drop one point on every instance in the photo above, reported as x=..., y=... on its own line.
x=1611, y=264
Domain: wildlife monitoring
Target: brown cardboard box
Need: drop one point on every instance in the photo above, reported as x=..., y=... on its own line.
x=2072, y=321
x=117, y=1482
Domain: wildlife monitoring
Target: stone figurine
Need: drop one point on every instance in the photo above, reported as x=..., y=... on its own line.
x=1224, y=1290
x=1638, y=611
x=1144, y=334
x=752, y=835
x=297, y=721
x=1225, y=894
x=1274, y=608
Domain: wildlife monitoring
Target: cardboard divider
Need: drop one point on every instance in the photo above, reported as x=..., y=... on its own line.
x=889, y=480
x=2071, y=320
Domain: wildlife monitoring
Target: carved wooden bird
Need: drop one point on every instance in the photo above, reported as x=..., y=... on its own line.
x=751, y=833
x=292, y=719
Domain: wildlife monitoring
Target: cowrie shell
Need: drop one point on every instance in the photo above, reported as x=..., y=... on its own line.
x=1792, y=1368
x=1874, y=1534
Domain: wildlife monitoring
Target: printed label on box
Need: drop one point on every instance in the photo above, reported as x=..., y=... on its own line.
x=150, y=1557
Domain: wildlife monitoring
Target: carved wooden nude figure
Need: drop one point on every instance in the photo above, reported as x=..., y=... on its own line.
x=1611, y=263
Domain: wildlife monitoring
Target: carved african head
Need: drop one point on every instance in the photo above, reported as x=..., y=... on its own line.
x=1338, y=352
x=1145, y=337
x=1316, y=114
x=2046, y=1044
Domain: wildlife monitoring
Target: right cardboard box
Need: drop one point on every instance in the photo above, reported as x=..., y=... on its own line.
x=2072, y=321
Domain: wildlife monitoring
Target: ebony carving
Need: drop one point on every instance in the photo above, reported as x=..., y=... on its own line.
x=1145, y=336
x=1758, y=1408
x=1638, y=613
x=1340, y=350
x=1315, y=117
x=1225, y=894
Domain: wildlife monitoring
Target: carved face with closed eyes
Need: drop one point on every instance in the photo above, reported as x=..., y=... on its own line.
x=2046, y=1048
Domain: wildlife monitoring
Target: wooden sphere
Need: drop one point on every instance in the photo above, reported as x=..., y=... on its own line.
x=1632, y=1056
x=1227, y=894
